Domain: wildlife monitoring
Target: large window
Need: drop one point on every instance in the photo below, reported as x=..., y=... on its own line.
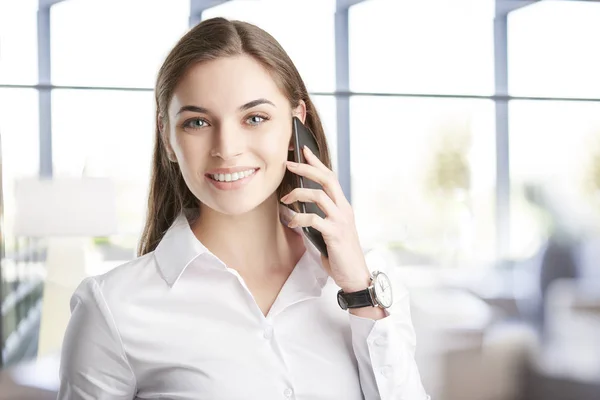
x=554, y=145
x=423, y=177
x=423, y=169
x=114, y=42
x=555, y=171
x=107, y=134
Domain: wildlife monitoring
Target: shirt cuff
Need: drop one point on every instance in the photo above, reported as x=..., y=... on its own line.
x=384, y=351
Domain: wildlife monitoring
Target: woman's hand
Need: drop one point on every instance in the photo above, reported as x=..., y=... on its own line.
x=346, y=263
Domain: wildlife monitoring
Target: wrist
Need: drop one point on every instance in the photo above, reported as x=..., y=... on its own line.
x=357, y=285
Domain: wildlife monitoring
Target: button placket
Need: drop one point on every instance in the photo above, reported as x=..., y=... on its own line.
x=268, y=331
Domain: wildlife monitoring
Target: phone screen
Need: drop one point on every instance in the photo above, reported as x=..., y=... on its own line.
x=303, y=136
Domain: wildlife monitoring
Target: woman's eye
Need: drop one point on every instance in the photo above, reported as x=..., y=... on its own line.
x=195, y=123
x=256, y=119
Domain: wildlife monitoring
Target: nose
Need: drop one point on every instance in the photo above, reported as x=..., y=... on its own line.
x=228, y=143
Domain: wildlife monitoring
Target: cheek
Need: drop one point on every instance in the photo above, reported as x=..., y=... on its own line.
x=274, y=144
x=274, y=151
x=189, y=148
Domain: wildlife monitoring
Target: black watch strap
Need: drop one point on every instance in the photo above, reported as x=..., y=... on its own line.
x=355, y=300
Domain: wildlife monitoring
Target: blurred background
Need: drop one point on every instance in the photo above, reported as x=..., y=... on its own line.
x=466, y=134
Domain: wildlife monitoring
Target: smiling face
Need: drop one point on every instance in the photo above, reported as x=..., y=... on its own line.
x=229, y=131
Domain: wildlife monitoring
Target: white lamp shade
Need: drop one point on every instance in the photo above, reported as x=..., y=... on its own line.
x=65, y=207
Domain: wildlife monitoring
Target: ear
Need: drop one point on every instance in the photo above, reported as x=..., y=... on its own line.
x=165, y=137
x=300, y=111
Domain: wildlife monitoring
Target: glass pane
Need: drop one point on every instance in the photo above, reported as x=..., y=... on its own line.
x=423, y=178
x=555, y=172
x=18, y=42
x=113, y=42
x=19, y=130
x=108, y=134
x=21, y=273
x=431, y=46
x=311, y=48
x=560, y=56
x=326, y=108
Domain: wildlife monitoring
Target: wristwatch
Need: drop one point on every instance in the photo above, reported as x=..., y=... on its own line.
x=378, y=294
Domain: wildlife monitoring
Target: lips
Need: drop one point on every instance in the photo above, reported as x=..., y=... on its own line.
x=230, y=170
x=232, y=177
x=236, y=180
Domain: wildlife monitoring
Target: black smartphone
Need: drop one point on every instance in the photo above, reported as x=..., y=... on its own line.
x=303, y=136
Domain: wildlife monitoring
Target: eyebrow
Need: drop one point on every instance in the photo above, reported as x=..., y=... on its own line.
x=244, y=107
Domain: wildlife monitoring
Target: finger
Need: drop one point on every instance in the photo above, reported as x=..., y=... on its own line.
x=326, y=179
x=308, y=171
x=313, y=159
x=319, y=197
x=312, y=220
x=336, y=188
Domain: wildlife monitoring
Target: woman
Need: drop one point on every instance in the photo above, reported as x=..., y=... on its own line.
x=227, y=299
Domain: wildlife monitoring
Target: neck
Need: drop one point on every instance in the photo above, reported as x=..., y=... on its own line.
x=256, y=241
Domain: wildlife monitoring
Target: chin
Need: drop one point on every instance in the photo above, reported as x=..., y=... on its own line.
x=235, y=206
x=233, y=209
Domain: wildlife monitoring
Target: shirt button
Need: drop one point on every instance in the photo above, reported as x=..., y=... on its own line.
x=288, y=393
x=268, y=332
x=386, y=371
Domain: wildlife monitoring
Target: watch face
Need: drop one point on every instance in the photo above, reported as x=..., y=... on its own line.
x=383, y=289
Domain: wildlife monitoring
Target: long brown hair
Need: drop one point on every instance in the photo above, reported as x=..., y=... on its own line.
x=211, y=39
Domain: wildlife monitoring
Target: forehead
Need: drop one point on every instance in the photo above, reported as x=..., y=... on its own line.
x=226, y=83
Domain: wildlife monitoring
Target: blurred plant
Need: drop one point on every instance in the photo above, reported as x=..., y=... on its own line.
x=447, y=185
x=449, y=172
x=101, y=240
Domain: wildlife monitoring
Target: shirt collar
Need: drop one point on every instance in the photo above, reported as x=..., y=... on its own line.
x=179, y=248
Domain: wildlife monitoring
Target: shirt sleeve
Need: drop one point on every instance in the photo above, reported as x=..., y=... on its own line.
x=93, y=363
x=385, y=351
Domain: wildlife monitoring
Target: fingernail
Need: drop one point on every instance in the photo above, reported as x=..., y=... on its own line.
x=307, y=149
x=284, y=198
x=292, y=224
x=292, y=164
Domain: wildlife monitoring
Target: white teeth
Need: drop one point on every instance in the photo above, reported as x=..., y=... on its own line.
x=232, y=177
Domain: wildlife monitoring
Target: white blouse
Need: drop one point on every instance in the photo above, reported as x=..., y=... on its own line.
x=177, y=323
